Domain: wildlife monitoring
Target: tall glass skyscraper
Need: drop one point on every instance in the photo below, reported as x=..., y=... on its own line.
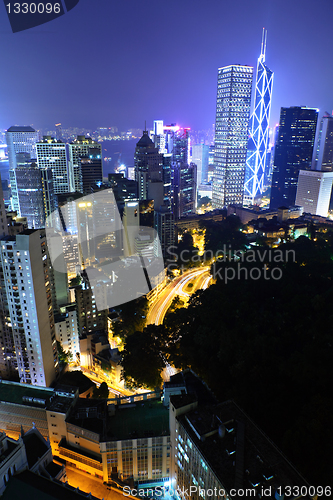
x=293, y=152
x=259, y=128
x=234, y=87
x=19, y=140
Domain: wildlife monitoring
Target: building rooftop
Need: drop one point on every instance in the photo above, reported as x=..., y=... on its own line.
x=238, y=452
x=129, y=421
x=11, y=446
x=77, y=379
x=60, y=404
x=31, y=486
x=194, y=387
x=139, y=420
x=35, y=446
x=13, y=392
x=16, y=128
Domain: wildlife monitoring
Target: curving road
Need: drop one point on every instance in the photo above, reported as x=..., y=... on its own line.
x=200, y=279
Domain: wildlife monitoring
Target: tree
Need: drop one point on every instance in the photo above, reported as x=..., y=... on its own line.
x=225, y=235
x=132, y=317
x=64, y=357
x=205, y=200
x=101, y=392
x=187, y=253
x=268, y=345
x=75, y=281
x=145, y=356
x=176, y=303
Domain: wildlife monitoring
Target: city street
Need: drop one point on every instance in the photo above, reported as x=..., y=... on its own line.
x=90, y=484
x=179, y=286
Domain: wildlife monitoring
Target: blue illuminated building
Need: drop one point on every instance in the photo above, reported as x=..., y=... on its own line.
x=258, y=131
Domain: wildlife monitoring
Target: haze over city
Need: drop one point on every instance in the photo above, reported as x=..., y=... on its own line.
x=118, y=63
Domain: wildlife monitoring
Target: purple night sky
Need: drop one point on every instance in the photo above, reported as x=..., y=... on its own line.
x=118, y=63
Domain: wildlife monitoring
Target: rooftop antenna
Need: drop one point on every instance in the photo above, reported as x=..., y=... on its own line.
x=145, y=126
x=263, y=45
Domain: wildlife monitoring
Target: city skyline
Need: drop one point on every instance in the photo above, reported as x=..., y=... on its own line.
x=116, y=42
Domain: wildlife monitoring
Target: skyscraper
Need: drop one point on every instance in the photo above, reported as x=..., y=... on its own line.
x=259, y=130
x=233, y=103
x=148, y=163
x=19, y=140
x=52, y=154
x=85, y=163
x=184, y=189
x=200, y=155
x=293, y=152
x=323, y=154
x=30, y=193
x=26, y=283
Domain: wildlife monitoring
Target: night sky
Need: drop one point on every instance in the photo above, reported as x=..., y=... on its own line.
x=120, y=62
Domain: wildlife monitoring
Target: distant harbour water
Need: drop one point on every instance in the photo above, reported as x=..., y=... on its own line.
x=118, y=152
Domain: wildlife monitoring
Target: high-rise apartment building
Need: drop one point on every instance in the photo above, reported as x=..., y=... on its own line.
x=53, y=154
x=89, y=317
x=26, y=287
x=293, y=152
x=259, y=131
x=19, y=140
x=234, y=87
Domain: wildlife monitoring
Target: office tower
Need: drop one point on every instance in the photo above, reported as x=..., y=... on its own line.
x=234, y=86
x=200, y=155
x=159, y=136
x=19, y=140
x=85, y=163
x=124, y=189
x=323, y=153
x=52, y=154
x=49, y=198
x=131, y=224
x=91, y=170
x=35, y=191
x=166, y=176
x=27, y=283
x=148, y=164
x=314, y=190
x=293, y=152
x=30, y=193
x=184, y=189
x=259, y=130
x=181, y=144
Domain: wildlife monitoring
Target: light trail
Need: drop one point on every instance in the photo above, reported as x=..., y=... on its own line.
x=176, y=288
